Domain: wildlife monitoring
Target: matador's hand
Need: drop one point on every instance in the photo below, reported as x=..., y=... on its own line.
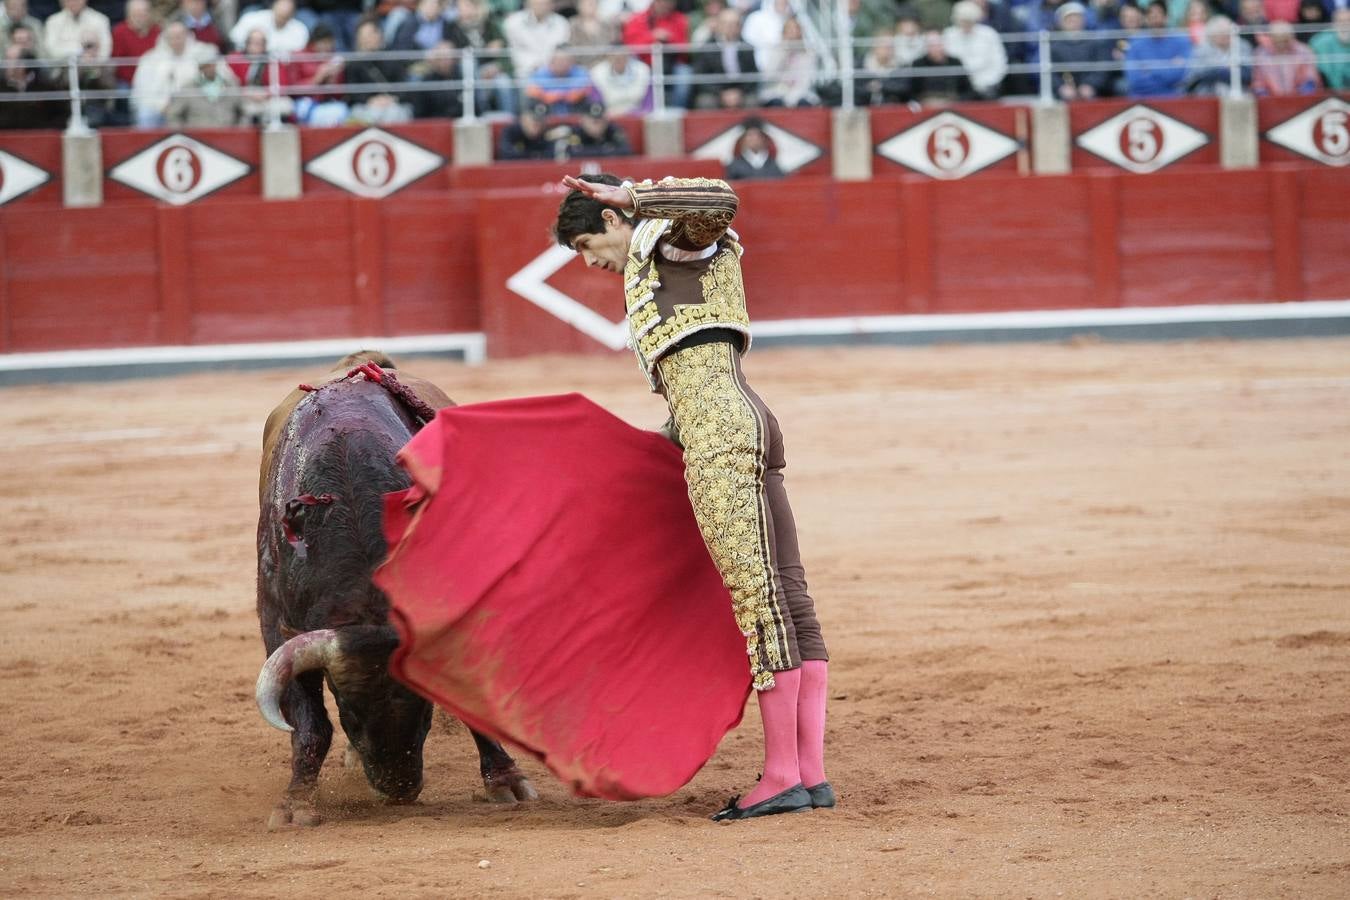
x=608, y=194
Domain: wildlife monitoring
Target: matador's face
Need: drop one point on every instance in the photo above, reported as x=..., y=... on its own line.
x=609, y=249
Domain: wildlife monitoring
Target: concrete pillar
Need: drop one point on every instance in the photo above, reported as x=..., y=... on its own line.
x=281, y=165
x=82, y=168
x=1051, y=139
x=851, y=140
x=1239, y=135
x=473, y=143
x=663, y=135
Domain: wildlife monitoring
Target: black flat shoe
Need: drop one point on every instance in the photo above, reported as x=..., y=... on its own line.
x=822, y=796
x=794, y=799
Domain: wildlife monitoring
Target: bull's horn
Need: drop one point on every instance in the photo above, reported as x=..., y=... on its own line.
x=302, y=653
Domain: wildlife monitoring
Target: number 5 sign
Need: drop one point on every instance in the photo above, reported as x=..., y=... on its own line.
x=1321, y=132
x=1142, y=140
x=948, y=146
x=374, y=163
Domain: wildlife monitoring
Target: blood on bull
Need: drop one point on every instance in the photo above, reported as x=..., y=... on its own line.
x=328, y=459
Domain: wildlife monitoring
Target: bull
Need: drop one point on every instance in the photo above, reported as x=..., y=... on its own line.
x=328, y=459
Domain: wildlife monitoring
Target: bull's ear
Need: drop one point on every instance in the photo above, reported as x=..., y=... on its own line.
x=371, y=642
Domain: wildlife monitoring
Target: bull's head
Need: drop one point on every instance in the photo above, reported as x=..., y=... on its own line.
x=385, y=722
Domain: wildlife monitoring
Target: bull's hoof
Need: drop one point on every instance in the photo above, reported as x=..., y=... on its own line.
x=399, y=800
x=509, y=786
x=293, y=814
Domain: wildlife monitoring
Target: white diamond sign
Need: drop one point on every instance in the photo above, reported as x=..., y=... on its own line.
x=1321, y=132
x=531, y=282
x=179, y=170
x=18, y=177
x=948, y=146
x=1142, y=140
x=791, y=152
x=374, y=163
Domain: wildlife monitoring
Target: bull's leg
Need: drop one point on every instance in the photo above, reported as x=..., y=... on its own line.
x=303, y=707
x=504, y=782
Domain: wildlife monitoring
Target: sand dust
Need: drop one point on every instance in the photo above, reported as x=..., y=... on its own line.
x=1089, y=607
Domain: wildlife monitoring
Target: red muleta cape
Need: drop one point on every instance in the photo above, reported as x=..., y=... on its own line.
x=552, y=590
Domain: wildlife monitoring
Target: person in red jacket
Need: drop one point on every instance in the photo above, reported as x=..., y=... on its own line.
x=663, y=24
x=134, y=37
x=254, y=73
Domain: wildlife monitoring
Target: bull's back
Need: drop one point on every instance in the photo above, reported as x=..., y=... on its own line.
x=319, y=529
x=279, y=418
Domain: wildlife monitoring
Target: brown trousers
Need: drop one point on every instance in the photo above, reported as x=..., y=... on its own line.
x=733, y=457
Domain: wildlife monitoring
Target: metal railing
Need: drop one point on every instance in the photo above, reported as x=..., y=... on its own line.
x=838, y=72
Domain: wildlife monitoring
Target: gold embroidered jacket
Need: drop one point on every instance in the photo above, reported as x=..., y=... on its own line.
x=683, y=272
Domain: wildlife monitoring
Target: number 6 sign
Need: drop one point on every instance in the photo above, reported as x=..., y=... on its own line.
x=179, y=170
x=374, y=163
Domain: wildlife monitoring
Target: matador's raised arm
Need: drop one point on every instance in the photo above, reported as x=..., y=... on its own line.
x=701, y=208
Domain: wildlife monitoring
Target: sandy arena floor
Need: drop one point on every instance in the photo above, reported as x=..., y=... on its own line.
x=1089, y=606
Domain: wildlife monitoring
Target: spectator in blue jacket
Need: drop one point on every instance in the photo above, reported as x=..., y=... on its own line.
x=562, y=84
x=1130, y=22
x=1147, y=69
x=1108, y=14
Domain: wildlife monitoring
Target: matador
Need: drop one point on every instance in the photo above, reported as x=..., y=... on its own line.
x=685, y=306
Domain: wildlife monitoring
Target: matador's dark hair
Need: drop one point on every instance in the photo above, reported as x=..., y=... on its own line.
x=579, y=214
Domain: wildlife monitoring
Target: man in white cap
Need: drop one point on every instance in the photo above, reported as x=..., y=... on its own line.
x=1076, y=53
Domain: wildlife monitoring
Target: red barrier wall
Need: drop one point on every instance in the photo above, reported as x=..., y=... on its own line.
x=800, y=242
x=427, y=261
x=326, y=266
x=1321, y=216
x=1183, y=237
x=816, y=248
x=79, y=278
x=997, y=247
x=238, y=270
x=515, y=224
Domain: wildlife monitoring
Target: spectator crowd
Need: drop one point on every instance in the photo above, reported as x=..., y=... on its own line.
x=561, y=69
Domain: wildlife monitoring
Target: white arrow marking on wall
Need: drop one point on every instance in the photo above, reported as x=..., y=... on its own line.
x=531, y=282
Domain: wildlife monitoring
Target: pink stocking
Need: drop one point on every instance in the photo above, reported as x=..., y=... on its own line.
x=778, y=709
x=811, y=721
